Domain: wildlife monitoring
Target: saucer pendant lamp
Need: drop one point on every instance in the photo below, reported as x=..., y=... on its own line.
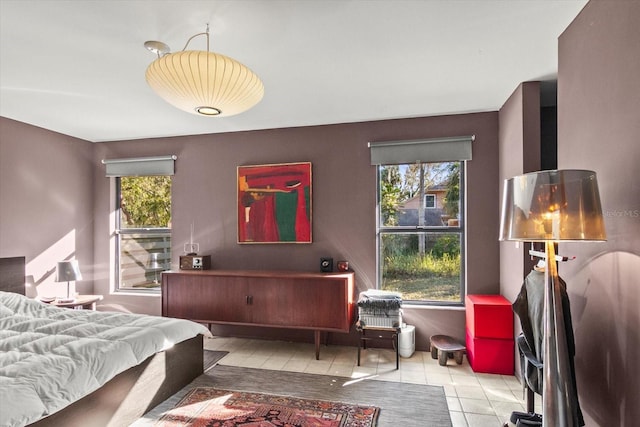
x=202, y=82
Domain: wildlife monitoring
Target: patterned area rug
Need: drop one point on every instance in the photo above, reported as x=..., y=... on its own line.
x=401, y=404
x=211, y=407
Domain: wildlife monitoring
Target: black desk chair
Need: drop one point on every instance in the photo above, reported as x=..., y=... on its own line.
x=531, y=369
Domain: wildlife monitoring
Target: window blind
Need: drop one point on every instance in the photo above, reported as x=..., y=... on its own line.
x=447, y=149
x=140, y=166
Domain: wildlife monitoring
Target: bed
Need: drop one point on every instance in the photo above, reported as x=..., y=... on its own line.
x=86, y=368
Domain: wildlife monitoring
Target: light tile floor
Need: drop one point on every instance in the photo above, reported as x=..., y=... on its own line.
x=474, y=399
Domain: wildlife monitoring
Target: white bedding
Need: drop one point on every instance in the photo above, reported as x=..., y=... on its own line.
x=51, y=357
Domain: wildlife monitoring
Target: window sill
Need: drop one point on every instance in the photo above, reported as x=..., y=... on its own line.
x=136, y=294
x=433, y=307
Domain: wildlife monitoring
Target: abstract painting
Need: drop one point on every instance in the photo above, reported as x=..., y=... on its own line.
x=274, y=203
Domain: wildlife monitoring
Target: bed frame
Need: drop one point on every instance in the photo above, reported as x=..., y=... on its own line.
x=129, y=395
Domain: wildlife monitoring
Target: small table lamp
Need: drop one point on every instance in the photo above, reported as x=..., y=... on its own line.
x=68, y=271
x=551, y=206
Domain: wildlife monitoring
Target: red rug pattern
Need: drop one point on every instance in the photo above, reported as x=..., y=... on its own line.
x=211, y=407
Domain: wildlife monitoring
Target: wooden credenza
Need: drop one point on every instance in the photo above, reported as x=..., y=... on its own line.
x=282, y=299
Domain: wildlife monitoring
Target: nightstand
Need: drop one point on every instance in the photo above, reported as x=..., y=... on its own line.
x=82, y=302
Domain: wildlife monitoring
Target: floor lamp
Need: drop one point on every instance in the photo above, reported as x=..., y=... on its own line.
x=552, y=206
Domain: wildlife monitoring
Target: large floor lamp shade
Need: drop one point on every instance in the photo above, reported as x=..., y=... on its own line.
x=68, y=271
x=552, y=206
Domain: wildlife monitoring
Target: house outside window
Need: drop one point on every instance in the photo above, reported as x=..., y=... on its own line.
x=421, y=248
x=143, y=232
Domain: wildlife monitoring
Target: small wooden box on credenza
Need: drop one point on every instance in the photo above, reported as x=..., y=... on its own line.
x=195, y=262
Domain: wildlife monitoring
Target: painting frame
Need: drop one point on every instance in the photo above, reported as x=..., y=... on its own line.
x=274, y=203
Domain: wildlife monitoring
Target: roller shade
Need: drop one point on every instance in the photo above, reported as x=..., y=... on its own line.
x=447, y=149
x=140, y=166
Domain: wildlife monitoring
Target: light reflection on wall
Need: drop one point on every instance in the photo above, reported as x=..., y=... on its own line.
x=41, y=270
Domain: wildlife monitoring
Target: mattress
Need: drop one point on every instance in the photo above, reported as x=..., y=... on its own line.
x=50, y=357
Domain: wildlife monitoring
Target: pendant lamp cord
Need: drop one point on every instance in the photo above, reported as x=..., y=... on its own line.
x=206, y=33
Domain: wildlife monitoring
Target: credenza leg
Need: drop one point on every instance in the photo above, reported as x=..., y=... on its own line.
x=316, y=336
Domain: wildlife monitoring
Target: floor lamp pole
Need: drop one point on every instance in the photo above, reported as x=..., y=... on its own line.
x=557, y=392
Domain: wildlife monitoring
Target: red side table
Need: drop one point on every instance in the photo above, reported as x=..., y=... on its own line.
x=489, y=334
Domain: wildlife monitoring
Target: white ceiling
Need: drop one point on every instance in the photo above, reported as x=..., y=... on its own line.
x=77, y=67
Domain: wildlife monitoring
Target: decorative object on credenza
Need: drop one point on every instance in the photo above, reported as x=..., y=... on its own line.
x=552, y=206
x=195, y=262
x=326, y=265
x=343, y=266
x=68, y=271
x=274, y=203
x=191, y=260
x=202, y=82
x=191, y=248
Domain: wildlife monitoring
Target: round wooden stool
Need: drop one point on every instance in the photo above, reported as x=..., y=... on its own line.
x=447, y=346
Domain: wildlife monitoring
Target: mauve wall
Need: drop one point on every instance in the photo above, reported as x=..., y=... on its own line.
x=46, y=203
x=599, y=129
x=519, y=153
x=344, y=203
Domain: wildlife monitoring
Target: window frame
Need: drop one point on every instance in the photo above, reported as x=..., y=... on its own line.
x=118, y=232
x=459, y=229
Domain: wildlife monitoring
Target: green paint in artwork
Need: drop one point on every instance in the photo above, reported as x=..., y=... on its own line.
x=286, y=215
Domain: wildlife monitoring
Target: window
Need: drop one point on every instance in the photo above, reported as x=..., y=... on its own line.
x=430, y=201
x=420, y=250
x=143, y=231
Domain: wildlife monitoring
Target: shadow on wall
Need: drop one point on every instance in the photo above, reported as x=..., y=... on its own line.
x=604, y=302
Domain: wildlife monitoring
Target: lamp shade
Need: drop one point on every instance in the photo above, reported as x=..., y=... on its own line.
x=552, y=205
x=153, y=262
x=68, y=271
x=204, y=83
